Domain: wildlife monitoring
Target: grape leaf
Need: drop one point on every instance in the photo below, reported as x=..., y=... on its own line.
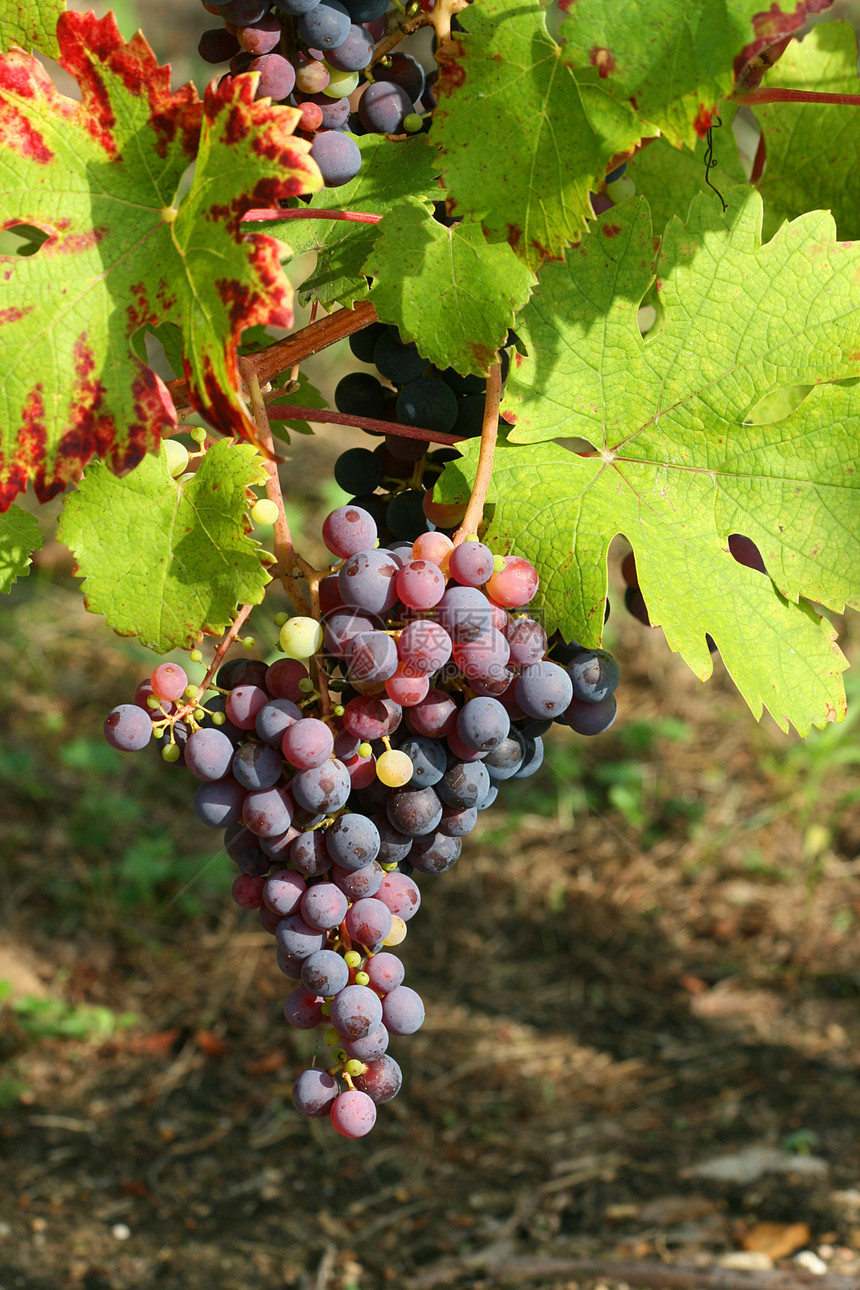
x=813, y=149
x=32, y=22
x=675, y=61
x=100, y=178
x=676, y=467
x=166, y=561
x=671, y=177
x=389, y=168
x=522, y=136
x=19, y=536
x=448, y=289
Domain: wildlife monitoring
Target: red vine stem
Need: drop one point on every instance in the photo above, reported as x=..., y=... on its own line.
x=301, y=212
x=489, y=434
x=794, y=96
x=287, y=412
x=294, y=349
x=283, y=539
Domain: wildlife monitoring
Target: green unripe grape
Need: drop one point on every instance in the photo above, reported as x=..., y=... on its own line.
x=621, y=189
x=352, y=959
x=177, y=456
x=306, y=685
x=394, y=769
x=218, y=718
x=249, y=642
x=412, y=123
x=280, y=619
x=338, y=710
x=198, y=434
x=331, y=1037
x=471, y=537
x=325, y=1009
x=199, y=714
x=354, y=1067
x=170, y=752
x=300, y=637
x=361, y=978
x=264, y=512
x=498, y=563
x=365, y=749
x=153, y=702
x=196, y=656
x=341, y=84
x=191, y=691
x=340, y=1056
x=389, y=865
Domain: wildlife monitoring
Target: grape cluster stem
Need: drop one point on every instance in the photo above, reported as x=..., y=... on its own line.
x=489, y=434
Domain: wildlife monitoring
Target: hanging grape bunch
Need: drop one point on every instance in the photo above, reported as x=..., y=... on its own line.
x=313, y=54
x=361, y=759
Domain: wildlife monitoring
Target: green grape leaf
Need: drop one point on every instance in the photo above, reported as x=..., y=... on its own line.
x=389, y=168
x=522, y=136
x=813, y=149
x=32, y=22
x=676, y=461
x=448, y=289
x=675, y=61
x=671, y=177
x=123, y=251
x=20, y=535
x=165, y=561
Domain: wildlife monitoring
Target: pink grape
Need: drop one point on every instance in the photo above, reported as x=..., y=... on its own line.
x=168, y=681
x=353, y=1114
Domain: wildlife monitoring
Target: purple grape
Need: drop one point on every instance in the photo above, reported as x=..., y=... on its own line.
x=325, y=973
x=367, y=581
x=471, y=563
x=354, y=53
x=283, y=892
x=382, y=107
x=268, y=812
x=462, y=785
x=337, y=156
x=256, y=765
x=544, y=690
x=368, y=922
x=322, y=788
x=457, y=821
x=435, y=854
x=341, y=629
x=274, y=720
x=356, y=1011
x=348, y=530
x=400, y=894
x=428, y=758
x=353, y=1114
x=217, y=45
x=219, y=802
x=483, y=724
x=465, y=613
x=385, y=971
x=295, y=7
x=260, y=37
x=591, y=718
x=372, y=658
x=243, y=704
x=393, y=845
x=353, y=841
x=278, y=847
x=208, y=754
x=414, y=811
x=128, y=728
x=314, y=1093
x=594, y=674
x=324, y=906
x=506, y=758
x=360, y=882
x=303, y=1009
x=308, y=743
x=309, y=855
x=434, y=716
x=527, y=641
x=368, y=1047
x=403, y=1011
x=532, y=763
x=335, y=114
x=295, y=938
x=382, y=1079
x=405, y=71
x=326, y=26
x=242, y=12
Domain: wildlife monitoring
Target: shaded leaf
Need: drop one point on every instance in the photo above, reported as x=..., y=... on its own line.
x=447, y=289
x=121, y=256
x=163, y=560
x=813, y=149
x=523, y=136
x=389, y=169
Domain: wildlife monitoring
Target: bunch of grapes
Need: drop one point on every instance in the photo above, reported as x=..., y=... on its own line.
x=314, y=54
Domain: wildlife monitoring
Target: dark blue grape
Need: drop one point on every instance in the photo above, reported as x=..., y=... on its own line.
x=361, y=395
x=362, y=344
x=403, y=70
x=382, y=107
x=337, y=156
x=397, y=362
x=325, y=26
x=357, y=470
x=429, y=403
x=354, y=54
